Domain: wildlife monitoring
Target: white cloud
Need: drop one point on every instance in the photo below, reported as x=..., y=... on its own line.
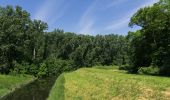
x=87, y=28
x=58, y=15
x=51, y=11
x=115, y=3
x=87, y=21
x=118, y=24
x=123, y=22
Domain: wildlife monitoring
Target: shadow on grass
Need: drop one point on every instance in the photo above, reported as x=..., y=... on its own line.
x=106, y=67
x=60, y=89
x=57, y=92
x=36, y=90
x=145, y=74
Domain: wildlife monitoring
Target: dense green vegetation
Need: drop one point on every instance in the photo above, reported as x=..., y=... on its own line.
x=109, y=84
x=150, y=46
x=10, y=83
x=26, y=48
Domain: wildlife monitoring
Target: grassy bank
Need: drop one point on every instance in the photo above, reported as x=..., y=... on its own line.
x=10, y=83
x=57, y=92
x=109, y=84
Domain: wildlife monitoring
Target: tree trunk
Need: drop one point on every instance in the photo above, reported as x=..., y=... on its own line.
x=34, y=54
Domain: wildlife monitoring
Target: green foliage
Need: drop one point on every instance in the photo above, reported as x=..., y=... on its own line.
x=46, y=53
x=42, y=70
x=86, y=50
x=12, y=34
x=151, y=70
x=57, y=66
x=20, y=68
x=150, y=45
x=33, y=69
x=17, y=39
x=26, y=49
x=24, y=68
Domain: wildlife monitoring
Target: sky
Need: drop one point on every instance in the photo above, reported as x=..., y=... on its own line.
x=83, y=16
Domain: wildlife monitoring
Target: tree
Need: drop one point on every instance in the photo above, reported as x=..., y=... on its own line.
x=155, y=35
x=37, y=39
x=13, y=27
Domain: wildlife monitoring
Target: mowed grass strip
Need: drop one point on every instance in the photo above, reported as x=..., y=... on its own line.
x=57, y=91
x=111, y=84
x=10, y=83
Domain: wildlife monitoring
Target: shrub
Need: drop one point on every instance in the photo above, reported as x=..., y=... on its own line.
x=33, y=69
x=22, y=68
x=151, y=70
x=50, y=66
x=57, y=66
x=42, y=71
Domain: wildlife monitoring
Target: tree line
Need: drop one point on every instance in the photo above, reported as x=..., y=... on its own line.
x=150, y=46
x=26, y=48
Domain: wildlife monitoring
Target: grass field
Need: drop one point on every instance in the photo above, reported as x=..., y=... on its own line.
x=10, y=83
x=109, y=84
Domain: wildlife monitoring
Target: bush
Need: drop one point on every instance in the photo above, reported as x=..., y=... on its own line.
x=151, y=70
x=50, y=66
x=33, y=70
x=22, y=68
x=57, y=66
x=124, y=67
x=42, y=71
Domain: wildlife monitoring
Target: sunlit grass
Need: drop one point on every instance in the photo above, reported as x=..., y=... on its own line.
x=111, y=84
x=10, y=83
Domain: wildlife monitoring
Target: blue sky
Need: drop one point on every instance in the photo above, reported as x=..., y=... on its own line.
x=83, y=16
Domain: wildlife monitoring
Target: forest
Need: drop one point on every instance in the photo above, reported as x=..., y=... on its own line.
x=38, y=64
x=26, y=47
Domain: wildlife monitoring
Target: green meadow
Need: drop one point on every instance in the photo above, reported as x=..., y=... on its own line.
x=109, y=84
